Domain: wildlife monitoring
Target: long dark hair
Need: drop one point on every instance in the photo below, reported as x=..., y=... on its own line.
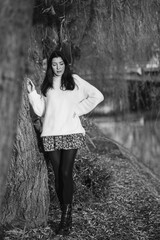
x=67, y=81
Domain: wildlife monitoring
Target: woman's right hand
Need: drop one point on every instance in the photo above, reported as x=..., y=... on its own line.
x=30, y=85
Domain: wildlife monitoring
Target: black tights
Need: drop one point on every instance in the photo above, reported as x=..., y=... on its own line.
x=62, y=162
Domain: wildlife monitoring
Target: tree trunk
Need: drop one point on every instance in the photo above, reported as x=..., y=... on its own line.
x=26, y=201
x=26, y=194
x=15, y=21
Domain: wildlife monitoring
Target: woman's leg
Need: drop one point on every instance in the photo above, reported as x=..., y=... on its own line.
x=55, y=159
x=66, y=172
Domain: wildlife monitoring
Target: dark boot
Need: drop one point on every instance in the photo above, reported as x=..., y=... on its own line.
x=66, y=220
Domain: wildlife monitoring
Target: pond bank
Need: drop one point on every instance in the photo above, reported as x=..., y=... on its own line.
x=136, y=132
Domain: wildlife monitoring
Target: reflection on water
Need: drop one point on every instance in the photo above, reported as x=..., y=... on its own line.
x=139, y=135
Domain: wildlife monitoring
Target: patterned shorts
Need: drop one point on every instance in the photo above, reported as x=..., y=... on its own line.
x=71, y=141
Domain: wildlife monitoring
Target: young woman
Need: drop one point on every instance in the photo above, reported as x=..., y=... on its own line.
x=65, y=97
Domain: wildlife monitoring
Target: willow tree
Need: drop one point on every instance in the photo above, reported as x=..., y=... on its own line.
x=16, y=19
x=120, y=35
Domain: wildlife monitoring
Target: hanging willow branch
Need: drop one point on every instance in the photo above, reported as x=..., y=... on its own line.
x=124, y=30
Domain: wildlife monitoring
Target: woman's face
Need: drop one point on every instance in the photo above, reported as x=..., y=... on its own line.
x=58, y=66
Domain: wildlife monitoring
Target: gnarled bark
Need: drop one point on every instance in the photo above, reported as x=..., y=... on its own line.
x=26, y=201
x=15, y=22
x=25, y=193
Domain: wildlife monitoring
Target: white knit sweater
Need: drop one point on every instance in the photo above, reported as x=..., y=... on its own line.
x=61, y=109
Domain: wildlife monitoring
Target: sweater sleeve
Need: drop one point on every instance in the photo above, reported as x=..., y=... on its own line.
x=38, y=103
x=90, y=95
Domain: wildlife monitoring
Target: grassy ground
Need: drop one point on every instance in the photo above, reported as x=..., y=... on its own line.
x=116, y=197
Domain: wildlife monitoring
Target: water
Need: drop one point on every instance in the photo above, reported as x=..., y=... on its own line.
x=137, y=133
